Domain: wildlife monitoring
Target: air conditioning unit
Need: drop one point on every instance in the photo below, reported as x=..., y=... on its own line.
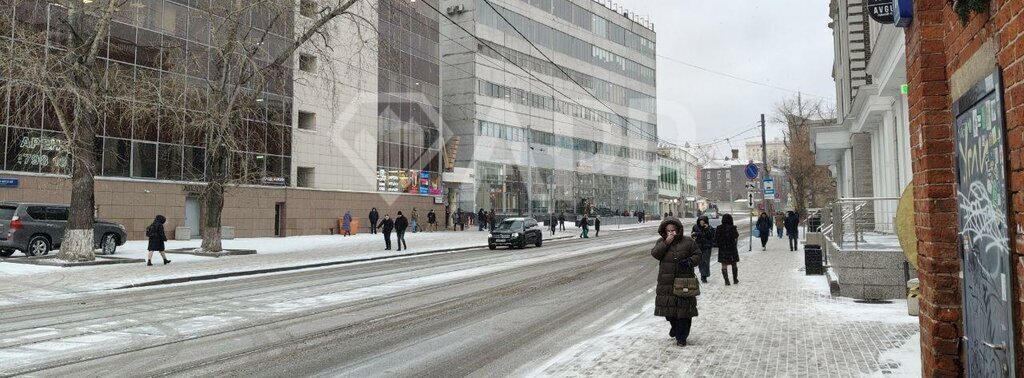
x=456, y=9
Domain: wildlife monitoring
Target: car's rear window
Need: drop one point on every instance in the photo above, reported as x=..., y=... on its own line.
x=7, y=212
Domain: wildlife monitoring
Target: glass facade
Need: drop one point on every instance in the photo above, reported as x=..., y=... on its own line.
x=604, y=90
x=519, y=134
x=160, y=43
x=547, y=36
x=408, y=134
x=503, y=187
x=629, y=127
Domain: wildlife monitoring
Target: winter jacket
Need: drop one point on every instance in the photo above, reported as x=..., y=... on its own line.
x=431, y=217
x=597, y=224
x=346, y=222
x=682, y=249
x=386, y=226
x=780, y=221
x=401, y=223
x=793, y=225
x=415, y=217
x=764, y=225
x=374, y=216
x=458, y=218
x=156, y=235
x=704, y=236
x=727, y=237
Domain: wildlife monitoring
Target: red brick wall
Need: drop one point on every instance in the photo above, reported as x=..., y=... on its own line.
x=938, y=46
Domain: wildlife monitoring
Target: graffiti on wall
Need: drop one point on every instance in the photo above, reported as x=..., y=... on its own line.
x=983, y=226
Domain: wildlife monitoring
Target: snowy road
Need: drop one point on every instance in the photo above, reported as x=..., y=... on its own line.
x=466, y=313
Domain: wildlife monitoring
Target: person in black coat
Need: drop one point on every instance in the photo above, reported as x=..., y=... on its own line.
x=373, y=217
x=728, y=251
x=386, y=226
x=481, y=219
x=401, y=223
x=764, y=229
x=459, y=221
x=597, y=226
x=561, y=220
x=793, y=230
x=553, y=224
x=432, y=220
x=704, y=235
x=157, y=237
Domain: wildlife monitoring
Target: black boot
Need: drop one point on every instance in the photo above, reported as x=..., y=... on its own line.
x=735, y=275
x=704, y=279
x=166, y=261
x=725, y=274
x=149, y=262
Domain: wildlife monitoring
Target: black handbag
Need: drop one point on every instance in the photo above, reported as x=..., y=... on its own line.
x=686, y=287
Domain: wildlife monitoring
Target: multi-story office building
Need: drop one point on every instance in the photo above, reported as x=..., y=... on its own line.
x=669, y=181
x=347, y=128
x=583, y=123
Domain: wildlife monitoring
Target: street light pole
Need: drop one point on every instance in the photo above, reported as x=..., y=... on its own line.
x=529, y=172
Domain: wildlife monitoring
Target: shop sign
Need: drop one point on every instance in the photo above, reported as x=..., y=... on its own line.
x=6, y=182
x=881, y=11
x=903, y=12
x=274, y=181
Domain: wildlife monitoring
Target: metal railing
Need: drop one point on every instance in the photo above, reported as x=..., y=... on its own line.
x=862, y=223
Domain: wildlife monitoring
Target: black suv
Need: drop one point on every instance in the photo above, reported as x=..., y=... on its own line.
x=36, y=228
x=516, y=233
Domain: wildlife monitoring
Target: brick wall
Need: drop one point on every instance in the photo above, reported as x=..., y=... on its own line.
x=250, y=210
x=944, y=58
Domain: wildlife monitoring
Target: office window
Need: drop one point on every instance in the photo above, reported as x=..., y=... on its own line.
x=116, y=154
x=143, y=159
x=307, y=63
x=307, y=8
x=307, y=120
x=305, y=177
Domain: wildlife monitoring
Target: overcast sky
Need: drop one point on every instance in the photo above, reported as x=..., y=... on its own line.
x=784, y=43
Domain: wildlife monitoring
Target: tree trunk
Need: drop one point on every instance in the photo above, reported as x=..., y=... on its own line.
x=213, y=206
x=78, y=235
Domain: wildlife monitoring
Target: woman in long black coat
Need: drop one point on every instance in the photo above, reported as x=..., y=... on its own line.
x=373, y=220
x=157, y=237
x=678, y=255
x=728, y=253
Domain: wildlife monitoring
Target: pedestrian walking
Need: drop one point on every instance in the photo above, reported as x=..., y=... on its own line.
x=447, y=217
x=780, y=223
x=432, y=220
x=585, y=225
x=386, y=226
x=346, y=223
x=728, y=252
x=704, y=235
x=401, y=224
x=414, y=220
x=373, y=217
x=678, y=255
x=459, y=222
x=597, y=226
x=157, y=237
x=764, y=229
x=553, y=224
x=491, y=220
x=481, y=219
x=793, y=230
x=561, y=220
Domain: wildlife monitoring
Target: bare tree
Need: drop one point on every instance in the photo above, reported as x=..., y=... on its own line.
x=245, y=62
x=54, y=74
x=811, y=183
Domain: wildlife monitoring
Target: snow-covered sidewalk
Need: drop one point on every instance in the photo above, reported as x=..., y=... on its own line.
x=776, y=322
x=30, y=283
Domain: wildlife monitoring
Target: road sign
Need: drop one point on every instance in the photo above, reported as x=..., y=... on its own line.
x=769, y=188
x=751, y=171
x=750, y=200
x=8, y=182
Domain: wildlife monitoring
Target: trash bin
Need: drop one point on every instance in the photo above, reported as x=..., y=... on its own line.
x=812, y=260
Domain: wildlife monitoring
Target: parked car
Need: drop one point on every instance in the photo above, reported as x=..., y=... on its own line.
x=515, y=233
x=35, y=229
x=711, y=213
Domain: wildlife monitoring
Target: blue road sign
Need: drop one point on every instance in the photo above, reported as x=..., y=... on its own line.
x=751, y=171
x=8, y=183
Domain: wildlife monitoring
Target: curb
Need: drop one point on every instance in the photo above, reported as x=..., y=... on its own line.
x=53, y=261
x=214, y=276
x=833, y=281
